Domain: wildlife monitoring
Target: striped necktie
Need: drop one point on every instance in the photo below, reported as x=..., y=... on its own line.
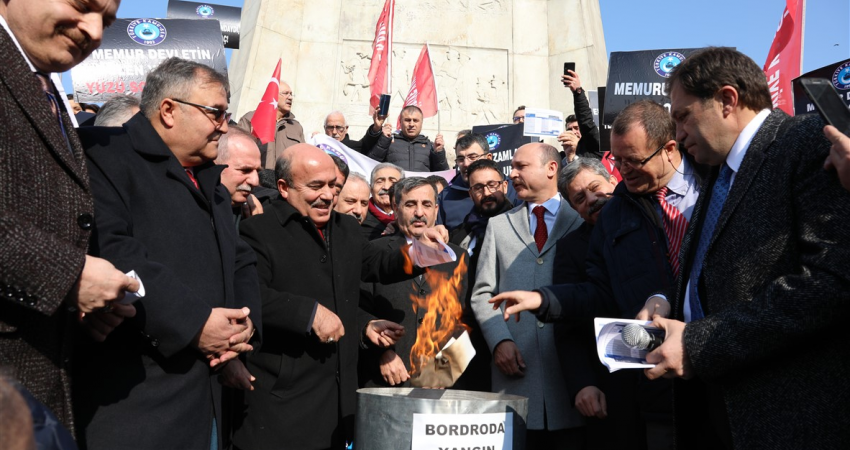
x=675, y=225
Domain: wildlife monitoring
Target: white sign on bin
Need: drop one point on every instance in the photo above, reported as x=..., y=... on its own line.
x=463, y=431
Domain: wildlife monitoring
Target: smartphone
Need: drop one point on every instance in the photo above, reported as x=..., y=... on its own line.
x=384, y=104
x=569, y=66
x=828, y=102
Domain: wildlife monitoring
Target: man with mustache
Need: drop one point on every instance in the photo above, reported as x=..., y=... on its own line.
x=633, y=252
x=354, y=197
x=288, y=130
x=410, y=150
x=380, y=213
x=517, y=253
x=416, y=202
x=161, y=211
x=337, y=127
x=311, y=261
x=238, y=150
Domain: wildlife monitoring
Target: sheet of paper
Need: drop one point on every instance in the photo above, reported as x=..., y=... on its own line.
x=131, y=297
x=543, y=122
x=424, y=256
x=613, y=352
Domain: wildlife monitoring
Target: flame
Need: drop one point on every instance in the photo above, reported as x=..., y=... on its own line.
x=442, y=305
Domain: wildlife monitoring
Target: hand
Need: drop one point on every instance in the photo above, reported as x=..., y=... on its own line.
x=569, y=141
x=222, y=325
x=100, y=324
x=313, y=134
x=516, y=302
x=387, y=130
x=444, y=232
x=326, y=325
x=252, y=207
x=438, y=143
x=571, y=81
x=669, y=358
x=656, y=306
x=839, y=155
x=508, y=359
x=590, y=402
x=383, y=333
x=378, y=121
x=392, y=368
x=236, y=375
x=432, y=237
x=100, y=283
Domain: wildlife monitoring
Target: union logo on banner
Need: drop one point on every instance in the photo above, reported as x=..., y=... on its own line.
x=147, y=31
x=666, y=62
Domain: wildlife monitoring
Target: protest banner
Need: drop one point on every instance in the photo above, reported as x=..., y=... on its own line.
x=229, y=18
x=504, y=140
x=133, y=47
x=838, y=73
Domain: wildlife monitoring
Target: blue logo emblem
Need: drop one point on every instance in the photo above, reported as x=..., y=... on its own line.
x=841, y=77
x=493, y=140
x=332, y=151
x=666, y=62
x=146, y=31
x=205, y=11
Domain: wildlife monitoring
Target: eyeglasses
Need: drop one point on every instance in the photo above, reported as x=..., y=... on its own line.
x=632, y=163
x=336, y=127
x=219, y=115
x=491, y=186
x=472, y=157
x=518, y=119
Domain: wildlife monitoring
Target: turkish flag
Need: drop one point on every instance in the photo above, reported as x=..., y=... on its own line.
x=785, y=57
x=264, y=122
x=379, y=68
x=423, y=86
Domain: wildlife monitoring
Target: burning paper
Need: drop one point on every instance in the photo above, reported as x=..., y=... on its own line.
x=446, y=367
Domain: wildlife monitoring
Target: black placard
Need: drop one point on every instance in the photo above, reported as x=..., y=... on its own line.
x=229, y=17
x=838, y=73
x=504, y=141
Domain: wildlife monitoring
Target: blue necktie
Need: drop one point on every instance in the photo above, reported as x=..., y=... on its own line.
x=715, y=206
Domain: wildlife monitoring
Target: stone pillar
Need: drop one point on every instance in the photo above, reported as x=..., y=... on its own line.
x=490, y=56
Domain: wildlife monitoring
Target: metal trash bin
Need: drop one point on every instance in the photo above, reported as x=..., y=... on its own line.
x=384, y=418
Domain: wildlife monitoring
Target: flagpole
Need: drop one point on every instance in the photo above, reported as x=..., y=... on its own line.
x=436, y=88
x=803, y=36
x=390, y=47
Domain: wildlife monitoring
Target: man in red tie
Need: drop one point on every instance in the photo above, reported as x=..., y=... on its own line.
x=518, y=252
x=633, y=253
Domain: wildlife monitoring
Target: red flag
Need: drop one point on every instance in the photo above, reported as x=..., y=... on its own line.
x=785, y=57
x=423, y=86
x=379, y=68
x=264, y=122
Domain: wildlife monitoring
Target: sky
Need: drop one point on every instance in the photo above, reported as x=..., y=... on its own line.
x=748, y=25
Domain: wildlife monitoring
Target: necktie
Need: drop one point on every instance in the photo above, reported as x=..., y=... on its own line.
x=675, y=225
x=541, y=234
x=192, y=177
x=715, y=206
x=47, y=87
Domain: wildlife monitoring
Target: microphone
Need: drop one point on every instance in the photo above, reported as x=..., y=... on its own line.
x=636, y=336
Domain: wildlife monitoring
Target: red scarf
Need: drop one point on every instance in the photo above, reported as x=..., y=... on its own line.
x=383, y=217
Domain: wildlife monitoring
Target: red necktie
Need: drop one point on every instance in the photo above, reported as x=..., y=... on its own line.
x=541, y=234
x=675, y=225
x=192, y=177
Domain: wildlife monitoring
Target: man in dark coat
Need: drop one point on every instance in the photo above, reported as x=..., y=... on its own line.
x=410, y=150
x=758, y=313
x=379, y=214
x=161, y=211
x=336, y=127
x=416, y=198
x=46, y=211
x=311, y=261
x=585, y=134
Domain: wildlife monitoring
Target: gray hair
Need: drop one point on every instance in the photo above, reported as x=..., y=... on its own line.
x=344, y=122
x=406, y=185
x=579, y=164
x=174, y=78
x=385, y=165
x=116, y=111
x=224, y=143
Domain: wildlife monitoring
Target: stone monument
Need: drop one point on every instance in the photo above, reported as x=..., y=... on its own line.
x=489, y=57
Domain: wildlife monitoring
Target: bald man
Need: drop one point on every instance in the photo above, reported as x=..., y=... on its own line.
x=311, y=262
x=337, y=127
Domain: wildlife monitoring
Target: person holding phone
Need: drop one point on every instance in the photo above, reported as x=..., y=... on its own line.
x=581, y=136
x=839, y=155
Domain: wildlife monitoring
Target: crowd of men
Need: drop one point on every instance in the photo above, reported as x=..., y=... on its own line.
x=167, y=282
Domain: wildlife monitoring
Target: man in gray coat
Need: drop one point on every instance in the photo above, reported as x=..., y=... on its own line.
x=524, y=352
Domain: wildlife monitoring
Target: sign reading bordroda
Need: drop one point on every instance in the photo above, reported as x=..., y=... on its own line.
x=641, y=75
x=133, y=47
x=463, y=431
x=229, y=17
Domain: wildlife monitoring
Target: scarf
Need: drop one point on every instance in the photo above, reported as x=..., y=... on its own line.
x=383, y=217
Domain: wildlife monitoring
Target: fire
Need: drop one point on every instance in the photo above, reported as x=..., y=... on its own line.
x=443, y=316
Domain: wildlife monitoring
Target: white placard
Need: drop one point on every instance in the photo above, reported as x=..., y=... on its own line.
x=463, y=431
x=543, y=122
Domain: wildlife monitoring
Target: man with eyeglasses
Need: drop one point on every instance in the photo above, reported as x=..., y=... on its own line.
x=161, y=211
x=519, y=115
x=336, y=127
x=288, y=130
x=633, y=253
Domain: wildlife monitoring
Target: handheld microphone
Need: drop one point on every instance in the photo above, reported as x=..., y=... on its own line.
x=636, y=336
